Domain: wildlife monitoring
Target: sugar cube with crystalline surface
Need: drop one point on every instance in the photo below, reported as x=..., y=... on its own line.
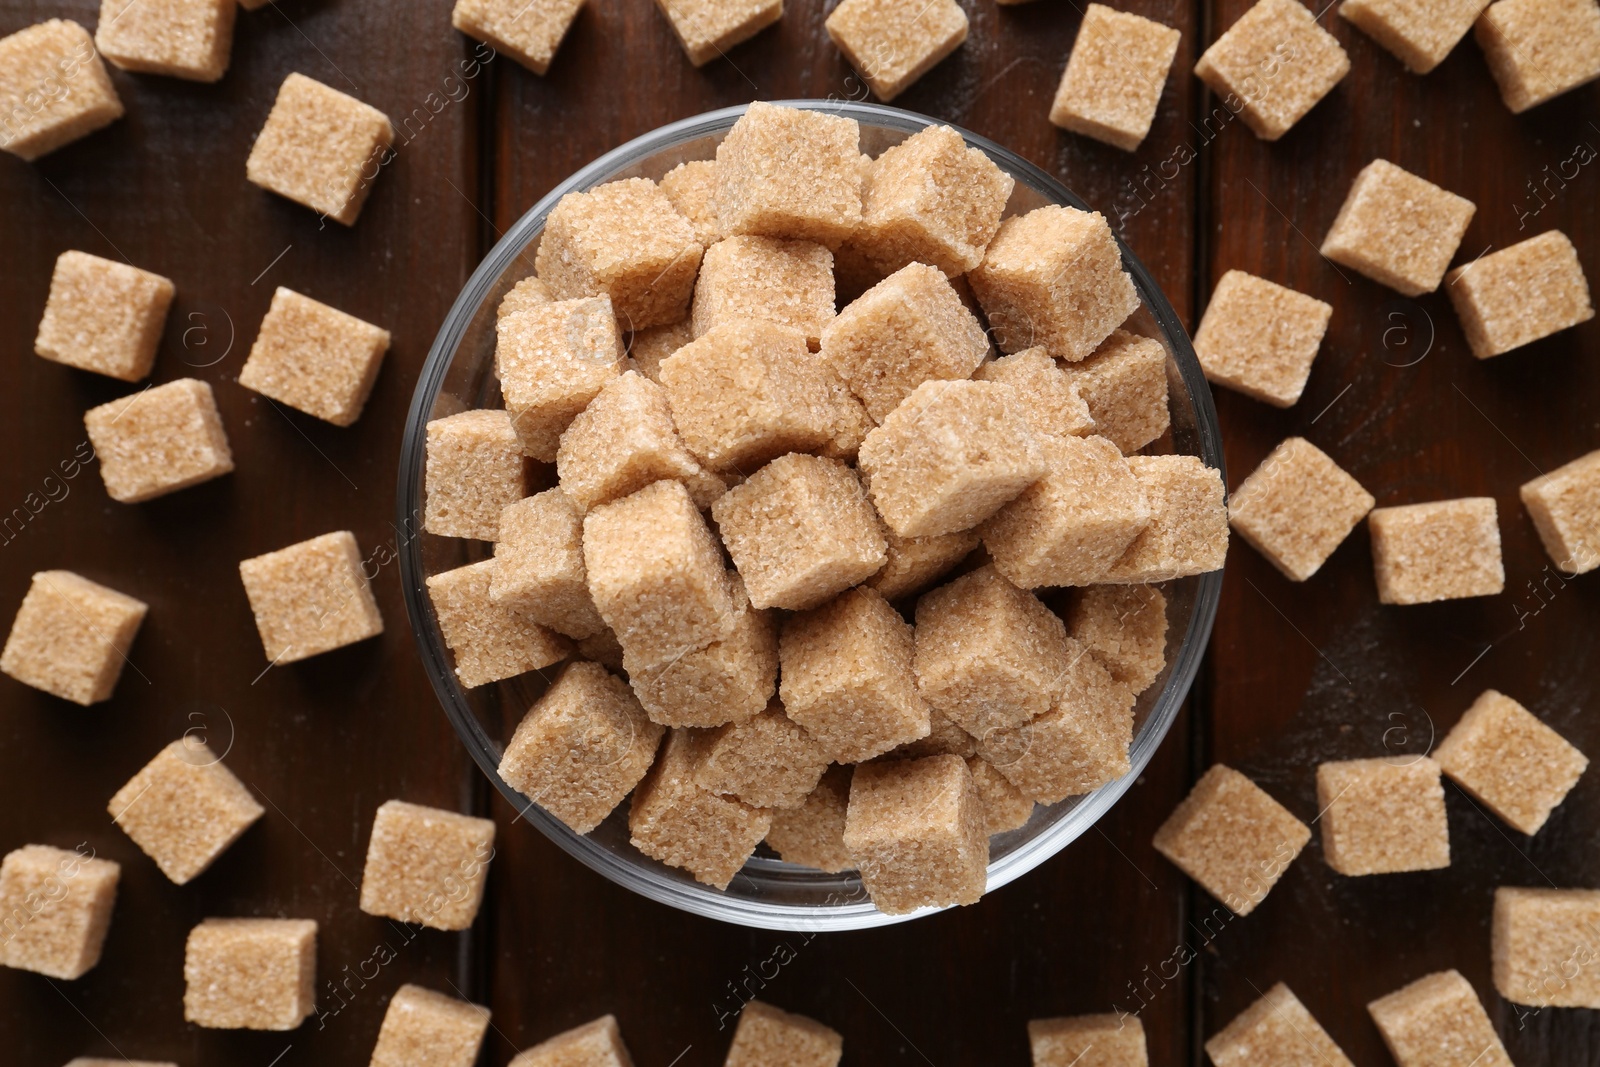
x=812, y=834
x=892, y=43
x=426, y=865
x=184, y=809
x=315, y=358
x=674, y=820
x=528, y=31
x=917, y=833
x=311, y=597
x=1260, y=338
x=1275, y=1031
x=71, y=637
x=1538, y=937
x=490, y=641
x=767, y=1036
x=422, y=1028
x=1273, y=65
x=53, y=89
x=815, y=195
x=1124, y=384
x=250, y=974
x=474, y=469
x=1420, y=35
x=320, y=148
x=1398, y=229
x=539, y=571
x=188, y=39
x=1188, y=529
x=1114, y=77
x=1520, y=294
x=103, y=316
x=1110, y=1040
x=1441, y=550
x=749, y=277
x=552, y=359
x=1510, y=761
x=1565, y=508
x=1297, y=507
x=1384, y=815
x=57, y=905
x=1539, y=49
x=1436, y=1021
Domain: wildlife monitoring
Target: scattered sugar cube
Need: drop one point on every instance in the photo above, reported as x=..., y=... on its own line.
x=1188, y=529
x=53, y=89
x=1541, y=941
x=188, y=39
x=1297, y=507
x=1398, y=229
x=1053, y=279
x=729, y=680
x=1260, y=338
x=250, y=974
x=1510, y=761
x=552, y=359
x=320, y=148
x=648, y=347
x=892, y=43
x=315, y=358
x=812, y=835
x=595, y=1044
x=768, y=278
x=58, y=908
x=1539, y=49
x=1520, y=294
x=1048, y=397
x=767, y=1036
x=674, y=820
x=908, y=329
x=529, y=31
x=1565, y=508
x=1419, y=35
x=159, y=440
x=1124, y=383
x=691, y=186
x=475, y=468
x=103, y=316
x=530, y=292
x=914, y=563
x=184, y=809
x=491, y=642
x=847, y=677
x=1110, y=1040
x=71, y=637
x=1442, y=550
x=426, y=865
x=1005, y=807
x=1438, y=1019
x=708, y=28
x=916, y=831
x=1274, y=65
x=1113, y=81
x=656, y=575
x=623, y=441
x=1233, y=838
x=800, y=530
x=625, y=240
x=1380, y=816
x=311, y=597
x=767, y=761
x=1072, y=525
x=1125, y=628
x=1275, y=1031
x=944, y=738
x=422, y=1028
x=539, y=571
x=814, y=196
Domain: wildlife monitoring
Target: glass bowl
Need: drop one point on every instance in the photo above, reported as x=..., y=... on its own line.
x=768, y=893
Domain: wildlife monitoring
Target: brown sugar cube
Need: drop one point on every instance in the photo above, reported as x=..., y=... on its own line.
x=691, y=186
x=1188, y=529
x=768, y=278
x=1398, y=229
x=767, y=761
x=812, y=835
x=159, y=440
x=53, y=89
x=103, y=316
x=729, y=680
x=1538, y=935
x=1273, y=65
x=1072, y=525
x=58, y=908
x=1005, y=807
x=595, y=1044
x=529, y=31
x=1565, y=508
x=530, y=292
x=320, y=148
x=944, y=738
x=539, y=571
x=71, y=637
x=1275, y=1031
x=624, y=240
x=1113, y=81
x=311, y=597
x=1232, y=838
x=1443, y=550
x=908, y=329
x=988, y=654
x=892, y=43
x=1260, y=338
x=475, y=468
x=581, y=747
x=188, y=39
x=1539, y=49
x=1077, y=746
x=914, y=563
x=1125, y=628
x=623, y=441
x=184, y=809
x=1124, y=383
x=491, y=642
x=250, y=974
x=916, y=831
x=814, y=196
x=1520, y=294
x=1381, y=816
x=647, y=348
x=422, y=1028
x=767, y=1036
x=1518, y=767
x=675, y=821
x=1047, y=394
x=1109, y=1040
x=1419, y=35
x=315, y=358
x=552, y=360
x=426, y=865
x=708, y=28
x=1297, y=507
x=1438, y=1021
x=930, y=199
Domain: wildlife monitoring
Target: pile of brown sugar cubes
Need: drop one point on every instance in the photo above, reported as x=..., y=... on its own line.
x=874, y=683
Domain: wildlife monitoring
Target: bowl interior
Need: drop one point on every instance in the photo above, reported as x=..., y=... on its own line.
x=459, y=375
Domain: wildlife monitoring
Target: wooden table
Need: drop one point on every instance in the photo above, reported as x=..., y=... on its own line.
x=1298, y=673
